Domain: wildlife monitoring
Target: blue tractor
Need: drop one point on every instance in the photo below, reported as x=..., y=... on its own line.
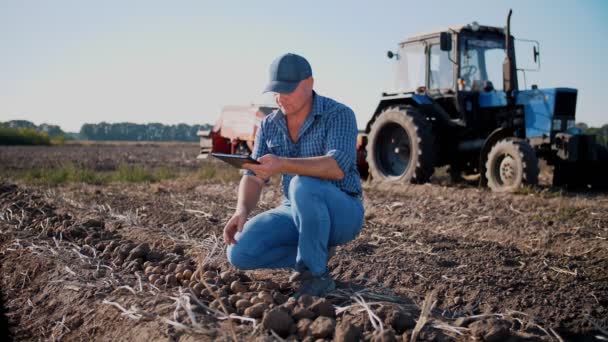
x=457, y=103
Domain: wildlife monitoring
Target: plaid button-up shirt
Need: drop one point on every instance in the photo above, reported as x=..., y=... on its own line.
x=329, y=129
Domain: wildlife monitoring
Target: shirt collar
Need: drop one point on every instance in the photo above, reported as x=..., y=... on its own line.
x=317, y=104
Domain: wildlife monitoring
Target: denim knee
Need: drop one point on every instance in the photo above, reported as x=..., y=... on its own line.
x=304, y=186
x=237, y=258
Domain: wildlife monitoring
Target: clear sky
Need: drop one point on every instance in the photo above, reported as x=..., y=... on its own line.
x=74, y=62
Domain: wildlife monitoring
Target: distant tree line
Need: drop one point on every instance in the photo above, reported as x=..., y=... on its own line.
x=601, y=133
x=50, y=130
x=25, y=132
x=126, y=131
x=22, y=132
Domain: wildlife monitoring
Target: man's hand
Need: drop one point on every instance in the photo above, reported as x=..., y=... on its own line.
x=234, y=225
x=269, y=166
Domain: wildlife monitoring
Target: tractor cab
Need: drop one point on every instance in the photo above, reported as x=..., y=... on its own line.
x=457, y=68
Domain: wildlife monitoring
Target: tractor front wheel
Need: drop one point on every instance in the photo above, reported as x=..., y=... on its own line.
x=511, y=164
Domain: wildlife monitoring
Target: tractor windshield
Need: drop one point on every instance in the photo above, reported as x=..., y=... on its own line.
x=481, y=61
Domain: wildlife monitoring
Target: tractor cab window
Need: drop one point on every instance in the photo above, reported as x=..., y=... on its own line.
x=411, y=63
x=441, y=74
x=481, y=63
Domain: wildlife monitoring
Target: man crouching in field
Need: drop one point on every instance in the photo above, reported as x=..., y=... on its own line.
x=311, y=141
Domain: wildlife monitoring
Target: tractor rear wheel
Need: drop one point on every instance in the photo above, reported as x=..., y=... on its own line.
x=400, y=147
x=511, y=163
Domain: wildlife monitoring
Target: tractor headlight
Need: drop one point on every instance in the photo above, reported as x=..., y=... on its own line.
x=557, y=125
x=570, y=124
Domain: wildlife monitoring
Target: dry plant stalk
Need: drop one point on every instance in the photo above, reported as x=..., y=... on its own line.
x=373, y=318
x=199, y=272
x=428, y=305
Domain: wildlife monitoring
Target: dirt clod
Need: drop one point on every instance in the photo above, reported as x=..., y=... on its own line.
x=305, y=300
x=303, y=326
x=322, y=327
x=322, y=307
x=140, y=251
x=278, y=320
x=401, y=320
x=347, y=332
x=279, y=298
x=388, y=335
x=302, y=313
x=491, y=330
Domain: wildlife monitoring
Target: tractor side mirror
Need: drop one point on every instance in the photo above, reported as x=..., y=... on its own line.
x=536, y=53
x=445, y=41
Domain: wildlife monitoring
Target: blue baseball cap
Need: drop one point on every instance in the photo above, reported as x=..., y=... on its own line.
x=286, y=72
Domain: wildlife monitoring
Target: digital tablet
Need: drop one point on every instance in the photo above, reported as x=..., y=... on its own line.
x=236, y=160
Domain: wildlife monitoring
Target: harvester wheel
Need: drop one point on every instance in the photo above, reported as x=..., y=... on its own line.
x=242, y=149
x=400, y=147
x=511, y=163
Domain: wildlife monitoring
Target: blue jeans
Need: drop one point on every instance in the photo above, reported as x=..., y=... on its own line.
x=296, y=234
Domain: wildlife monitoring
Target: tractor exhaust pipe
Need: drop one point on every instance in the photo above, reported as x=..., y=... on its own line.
x=508, y=66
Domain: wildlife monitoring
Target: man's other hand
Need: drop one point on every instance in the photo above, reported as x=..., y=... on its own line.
x=269, y=166
x=234, y=225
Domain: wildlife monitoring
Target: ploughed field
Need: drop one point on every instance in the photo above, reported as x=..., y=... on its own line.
x=136, y=258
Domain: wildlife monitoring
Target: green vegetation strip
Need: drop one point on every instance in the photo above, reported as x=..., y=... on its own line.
x=70, y=173
x=23, y=136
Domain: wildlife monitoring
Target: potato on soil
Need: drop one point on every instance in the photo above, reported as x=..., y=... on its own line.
x=170, y=280
x=242, y=304
x=266, y=297
x=256, y=311
x=227, y=276
x=233, y=299
x=217, y=306
x=198, y=287
x=278, y=320
x=237, y=287
x=209, y=275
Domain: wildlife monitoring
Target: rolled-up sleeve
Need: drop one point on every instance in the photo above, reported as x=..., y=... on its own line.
x=342, y=138
x=259, y=146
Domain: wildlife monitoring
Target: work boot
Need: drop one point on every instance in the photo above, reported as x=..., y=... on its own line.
x=300, y=275
x=317, y=286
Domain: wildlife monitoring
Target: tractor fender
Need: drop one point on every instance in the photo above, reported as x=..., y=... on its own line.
x=397, y=101
x=422, y=102
x=497, y=135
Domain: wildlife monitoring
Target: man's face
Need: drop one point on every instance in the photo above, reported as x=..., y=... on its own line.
x=294, y=102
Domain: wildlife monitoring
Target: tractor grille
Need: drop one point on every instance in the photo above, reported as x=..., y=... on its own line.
x=565, y=103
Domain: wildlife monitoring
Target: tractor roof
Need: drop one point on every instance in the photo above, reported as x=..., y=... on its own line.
x=457, y=29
